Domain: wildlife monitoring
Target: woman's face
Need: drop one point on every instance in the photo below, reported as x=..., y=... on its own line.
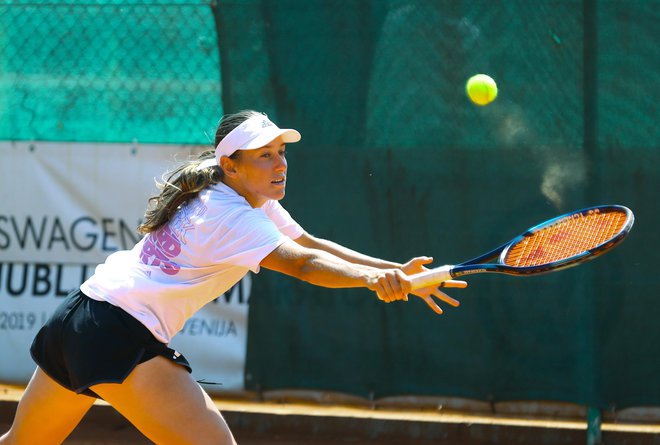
x=260, y=174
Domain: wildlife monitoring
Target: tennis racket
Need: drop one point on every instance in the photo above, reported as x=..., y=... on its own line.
x=560, y=243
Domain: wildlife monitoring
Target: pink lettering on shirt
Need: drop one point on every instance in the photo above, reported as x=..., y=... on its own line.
x=162, y=246
x=159, y=248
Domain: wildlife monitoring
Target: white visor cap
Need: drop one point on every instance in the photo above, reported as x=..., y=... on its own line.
x=255, y=132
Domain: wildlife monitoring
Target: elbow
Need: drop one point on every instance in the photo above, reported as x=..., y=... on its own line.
x=306, y=269
x=300, y=264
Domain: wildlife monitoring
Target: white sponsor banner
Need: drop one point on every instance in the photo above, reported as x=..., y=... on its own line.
x=64, y=207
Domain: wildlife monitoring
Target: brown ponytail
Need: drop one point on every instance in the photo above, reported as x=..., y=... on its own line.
x=178, y=187
x=184, y=182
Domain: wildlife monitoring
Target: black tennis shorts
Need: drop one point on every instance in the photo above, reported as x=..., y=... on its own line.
x=87, y=342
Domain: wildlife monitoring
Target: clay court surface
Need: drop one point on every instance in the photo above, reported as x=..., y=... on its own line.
x=271, y=423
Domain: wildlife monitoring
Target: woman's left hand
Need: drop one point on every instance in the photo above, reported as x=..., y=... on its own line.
x=416, y=265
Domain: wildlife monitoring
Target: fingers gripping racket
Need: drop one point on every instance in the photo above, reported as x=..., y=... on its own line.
x=562, y=242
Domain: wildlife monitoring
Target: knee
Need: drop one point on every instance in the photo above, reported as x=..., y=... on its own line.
x=218, y=434
x=224, y=438
x=7, y=438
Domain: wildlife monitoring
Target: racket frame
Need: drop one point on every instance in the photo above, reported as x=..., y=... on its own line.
x=479, y=265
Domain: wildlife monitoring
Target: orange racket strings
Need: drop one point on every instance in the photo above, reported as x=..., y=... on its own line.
x=566, y=238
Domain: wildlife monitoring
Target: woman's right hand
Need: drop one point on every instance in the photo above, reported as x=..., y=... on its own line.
x=417, y=265
x=390, y=285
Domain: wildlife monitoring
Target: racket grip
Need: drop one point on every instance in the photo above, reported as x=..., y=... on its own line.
x=431, y=277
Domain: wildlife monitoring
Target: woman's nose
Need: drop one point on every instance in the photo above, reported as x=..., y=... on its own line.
x=281, y=165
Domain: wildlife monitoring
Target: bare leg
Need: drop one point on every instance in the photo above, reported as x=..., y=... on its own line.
x=163, y=401
x=47, y=413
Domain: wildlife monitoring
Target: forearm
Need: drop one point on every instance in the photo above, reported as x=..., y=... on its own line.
x=345, y=253
x=317, y=267
x=322, y=268
x=328, y=270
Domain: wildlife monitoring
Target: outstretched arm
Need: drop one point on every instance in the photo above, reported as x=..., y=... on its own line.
x=311, y=242
x=325, y=269
x=413, y=266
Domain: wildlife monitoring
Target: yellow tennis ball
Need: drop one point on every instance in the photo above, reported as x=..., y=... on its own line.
x=481, y=89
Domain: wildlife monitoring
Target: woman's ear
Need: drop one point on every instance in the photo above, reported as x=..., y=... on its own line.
x=228, y=166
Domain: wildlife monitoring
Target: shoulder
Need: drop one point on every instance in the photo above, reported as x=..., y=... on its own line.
x=271, y=206
x=232, y=210
x=222, y=201
x=222, y=194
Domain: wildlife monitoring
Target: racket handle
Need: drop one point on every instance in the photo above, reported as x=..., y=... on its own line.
x=431, y=277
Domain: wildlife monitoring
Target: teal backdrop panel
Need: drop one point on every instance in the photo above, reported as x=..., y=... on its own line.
x=109, y=71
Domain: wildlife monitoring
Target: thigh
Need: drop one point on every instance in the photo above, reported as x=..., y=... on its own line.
x=47, y=412
x=164, y=402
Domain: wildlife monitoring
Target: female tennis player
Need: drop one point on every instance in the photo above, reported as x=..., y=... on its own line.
x=216, y=218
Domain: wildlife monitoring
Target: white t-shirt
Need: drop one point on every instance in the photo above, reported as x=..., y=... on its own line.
x=205, y=249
